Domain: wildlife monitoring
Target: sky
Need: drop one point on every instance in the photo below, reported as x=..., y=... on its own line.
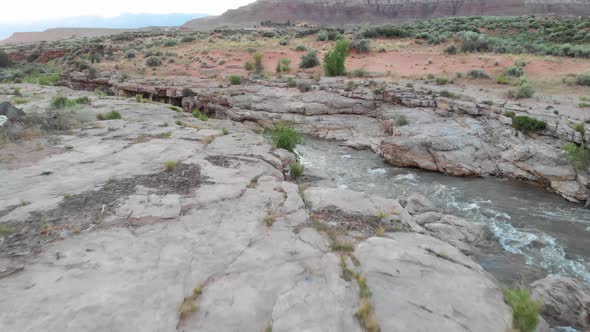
x=30, y=11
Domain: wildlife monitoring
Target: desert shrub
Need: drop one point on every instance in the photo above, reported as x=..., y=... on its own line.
x=170, y=165
x=451, y=49
x=334, y=59
x=525, y=310
x=449, y=94
x=153, y=61
x=583, y=79
x=520, y=63
x=85, y=100
x=296, y=170
x=130, y=54
x=510, y=114
x=235, y=79
x=527, y=124
x=112, y=115
x=197, y=114
x=300, y=48
x=187, y=39
x=291, y=82
x=170, y=43
x=187, y=92
x=283, y=66
x=502, y=79
x=361, y=45
x=474, y=42
x=578, y=155
x=286, y=137
x=401, y=120
x=441, y=80
x=258, y=66
x=309, y=60
x=61, y=101
x=322, y=36
x=4, y=60
x=523, y=90
x=284, y=42
x=359, y=73
x=514, y=71
x=303, y=86
x=478, y=74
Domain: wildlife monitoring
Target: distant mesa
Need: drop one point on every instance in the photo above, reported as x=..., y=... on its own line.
x=362, y=12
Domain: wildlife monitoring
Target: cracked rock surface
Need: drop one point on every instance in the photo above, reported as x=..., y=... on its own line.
x=112, y=241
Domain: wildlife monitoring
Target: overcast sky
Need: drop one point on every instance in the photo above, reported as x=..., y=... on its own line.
x=29, y=11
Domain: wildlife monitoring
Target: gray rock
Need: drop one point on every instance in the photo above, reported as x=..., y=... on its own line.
x=566, y=301
x=422, y=284
x=417, y=204
x=11, y=112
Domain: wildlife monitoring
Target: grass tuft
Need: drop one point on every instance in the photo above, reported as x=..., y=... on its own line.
x=170, y=165
x=525, y=310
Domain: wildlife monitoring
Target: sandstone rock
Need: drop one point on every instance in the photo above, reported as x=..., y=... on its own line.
x=417, y=204
x=566, y=301
x=399, y=271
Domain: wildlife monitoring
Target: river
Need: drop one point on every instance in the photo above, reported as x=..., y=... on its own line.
x=547, y=232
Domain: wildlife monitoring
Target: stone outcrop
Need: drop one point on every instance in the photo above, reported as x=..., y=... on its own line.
x=356, y=12
x=566, y=301
x=217, y=241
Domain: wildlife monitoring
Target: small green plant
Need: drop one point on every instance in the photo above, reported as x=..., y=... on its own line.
x=514, y=71
x=175, y=108
x=335, y=58
x=300, y=48
x=296, y=170
x=235, y=79
x=309, y=60
x=583, y=79
x=16, y=91
x=303, y=86
x=283, y=66
x=199, y=115
x=112, y=115
x=510, y=114
x=401, y=120
x=527, y=124
x=525, y=310
x=269, y=220
x=361, y=45
x=503, y=79
x=189, y=304
x=523, y=90
x=225, y=131
x=7, y=230
x=258, y=66
x=286, y=137
x=153, y=61
x=341, y=246
x=60, y=101
x=478, y=74
x=451, y=49
x=449, y=94
x=578, y=155
x=170, y=165
x=580, y=128
x=441, y=80
x=85, y=100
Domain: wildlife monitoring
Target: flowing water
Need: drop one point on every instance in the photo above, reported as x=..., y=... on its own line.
x=549, y=232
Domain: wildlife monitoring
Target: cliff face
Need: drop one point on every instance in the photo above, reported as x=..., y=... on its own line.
x=355, y=12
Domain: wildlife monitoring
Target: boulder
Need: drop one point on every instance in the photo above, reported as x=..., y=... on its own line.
x=420, y=283
x=566, y=301
x=417, y=204
x=10, y=112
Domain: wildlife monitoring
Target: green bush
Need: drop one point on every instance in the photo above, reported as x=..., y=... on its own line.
x=441, y=80
x=334, y=59
x=578, y=155
x=296, y=170
x=82, y=100
x=525, y=310
x=170, y=43
x=197, y=114
x=527, y=124
x=451, y=49
x=258, y=66
x=187, y=39
x=478, y=74
x=130, y=54
x=583, y=79
x=361, y=45
x=286, y=137
x=153, y=61
x=112, y=115
x=283, y=66
x=300, y=48
x=502, y=79
x=309, y=60
x=188, y=92
x=303, y=86
x=235, y=79
x=523, y=90
x=60, y=101
x=514, y=71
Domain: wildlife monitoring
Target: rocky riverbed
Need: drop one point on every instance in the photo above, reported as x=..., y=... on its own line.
x=159, y=221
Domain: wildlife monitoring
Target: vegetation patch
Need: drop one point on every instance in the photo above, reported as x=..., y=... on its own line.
x=578, y=155
x=525, y=310
x=235, y=79
x=189, y=304
x=112, y=115
x=297, y=170
x=527, y=124
x=334, y=59
x=309, y=60
x=286, y=137
x=523, y=90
